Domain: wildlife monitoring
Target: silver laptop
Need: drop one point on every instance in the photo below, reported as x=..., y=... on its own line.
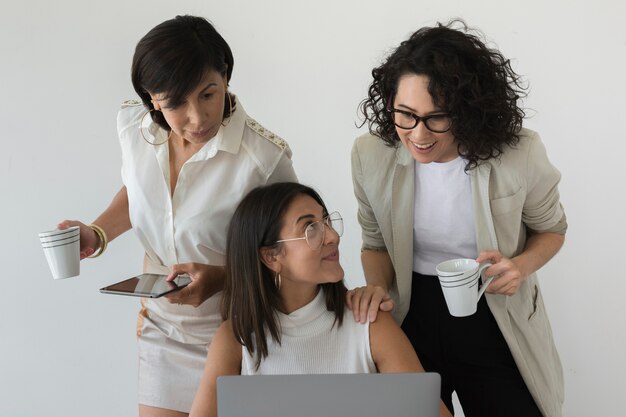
x=339, y=395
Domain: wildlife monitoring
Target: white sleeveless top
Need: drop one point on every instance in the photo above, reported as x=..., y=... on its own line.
x=312, y=343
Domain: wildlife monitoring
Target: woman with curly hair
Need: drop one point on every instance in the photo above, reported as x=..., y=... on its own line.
x=447, y=171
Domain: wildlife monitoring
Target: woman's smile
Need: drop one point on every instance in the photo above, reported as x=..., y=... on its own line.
x=333, y=256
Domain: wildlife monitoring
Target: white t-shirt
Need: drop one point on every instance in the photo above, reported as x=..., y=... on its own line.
x=312, y=343
x=191, y=225
x=443, y=225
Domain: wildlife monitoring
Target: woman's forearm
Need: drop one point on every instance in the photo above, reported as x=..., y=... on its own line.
x=540, y=248
x=378, y=268
x=115, y=220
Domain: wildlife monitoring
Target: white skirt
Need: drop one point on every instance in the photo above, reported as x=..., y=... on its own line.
x=169, y=370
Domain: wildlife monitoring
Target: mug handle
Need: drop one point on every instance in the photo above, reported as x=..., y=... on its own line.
x=485, y=284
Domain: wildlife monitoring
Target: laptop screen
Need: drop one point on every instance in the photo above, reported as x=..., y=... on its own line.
x=338, y=395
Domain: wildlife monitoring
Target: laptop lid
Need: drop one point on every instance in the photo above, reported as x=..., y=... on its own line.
x=338, y=395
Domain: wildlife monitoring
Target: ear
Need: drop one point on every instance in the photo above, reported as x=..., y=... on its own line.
x=269, y=257
x=155, y=102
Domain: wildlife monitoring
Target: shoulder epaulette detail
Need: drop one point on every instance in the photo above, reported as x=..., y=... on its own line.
x=275, y=139
x=133, y=102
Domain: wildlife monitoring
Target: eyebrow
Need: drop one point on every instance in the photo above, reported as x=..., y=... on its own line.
x=201, y=91
x=209, y=86
x=415, y=111
x=305, y=217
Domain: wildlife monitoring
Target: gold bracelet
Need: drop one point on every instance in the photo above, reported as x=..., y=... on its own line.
x=98, y=251
x=103, y=240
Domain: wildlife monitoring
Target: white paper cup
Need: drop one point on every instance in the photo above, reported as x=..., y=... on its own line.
x=55, y=232
x=61, y=237
x=459, y=280
x=62, y=252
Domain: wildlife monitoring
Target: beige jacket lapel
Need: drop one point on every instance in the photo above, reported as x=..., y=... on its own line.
x=483, y=221
x=402, y=206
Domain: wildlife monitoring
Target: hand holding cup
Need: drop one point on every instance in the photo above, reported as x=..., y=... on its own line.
x=509, y=276
x=88, y=238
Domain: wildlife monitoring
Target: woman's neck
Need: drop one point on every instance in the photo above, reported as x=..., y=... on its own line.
x=180, y=150
x=296, y=297
x=184, y=148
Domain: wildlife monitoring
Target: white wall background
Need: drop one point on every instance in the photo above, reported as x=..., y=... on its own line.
x=301, y=68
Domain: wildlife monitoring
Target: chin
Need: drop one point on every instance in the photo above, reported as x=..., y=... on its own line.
x=336, y=276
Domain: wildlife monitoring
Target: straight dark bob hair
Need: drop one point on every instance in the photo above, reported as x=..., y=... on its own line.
x=474, y=84
x=174, y=56
x=251, y=300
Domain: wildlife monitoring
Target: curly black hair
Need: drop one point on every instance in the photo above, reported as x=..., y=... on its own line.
x=474, y=84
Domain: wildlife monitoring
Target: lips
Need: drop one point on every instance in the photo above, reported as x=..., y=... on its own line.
x=424, y=146
x=333, y=256
x=199, y=134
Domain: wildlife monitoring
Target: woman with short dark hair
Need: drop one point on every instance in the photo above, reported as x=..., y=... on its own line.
x=447, y=171
x=190, y=153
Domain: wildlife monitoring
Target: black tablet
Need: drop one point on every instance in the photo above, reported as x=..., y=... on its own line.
x=147, y=285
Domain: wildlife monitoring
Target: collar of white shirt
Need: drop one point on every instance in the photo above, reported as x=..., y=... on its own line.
x=227, y=139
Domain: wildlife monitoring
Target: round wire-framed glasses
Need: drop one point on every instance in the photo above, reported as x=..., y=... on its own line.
x=315, y=233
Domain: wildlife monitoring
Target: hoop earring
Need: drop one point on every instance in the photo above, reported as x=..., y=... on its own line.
x=144, y=136
x=230, y=110
x=278, y=280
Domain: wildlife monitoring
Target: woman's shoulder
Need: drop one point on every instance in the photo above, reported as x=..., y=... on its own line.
x=373, y=161
x=528, y=151
x=368, y=143
x=264, y=147
x=523, y=166
x=384, y=321
x=130, y=114
x=518, y=156
x=225, y=335
x=258, y=131
x=370, y=150
x=527, y=138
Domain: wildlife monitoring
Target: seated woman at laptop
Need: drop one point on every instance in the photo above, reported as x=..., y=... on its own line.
x=284, y=299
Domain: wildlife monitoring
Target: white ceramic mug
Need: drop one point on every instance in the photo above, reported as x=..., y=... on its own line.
x=62, y=250
x=460, y=280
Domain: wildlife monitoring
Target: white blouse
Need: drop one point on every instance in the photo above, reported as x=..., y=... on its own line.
x=191, y=225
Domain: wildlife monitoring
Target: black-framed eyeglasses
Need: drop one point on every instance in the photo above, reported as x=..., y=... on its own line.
x=437, y=123
x=315, y=233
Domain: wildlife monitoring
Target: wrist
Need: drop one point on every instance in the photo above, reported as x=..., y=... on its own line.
x=521, y=267
x=380, y=285
x=101, y=237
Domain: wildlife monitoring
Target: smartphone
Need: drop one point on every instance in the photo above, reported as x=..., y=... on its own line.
x=147, y=285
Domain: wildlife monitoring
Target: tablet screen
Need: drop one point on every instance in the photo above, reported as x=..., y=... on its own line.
x=147, y=285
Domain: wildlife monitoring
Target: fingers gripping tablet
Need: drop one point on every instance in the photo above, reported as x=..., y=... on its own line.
x=147, y=285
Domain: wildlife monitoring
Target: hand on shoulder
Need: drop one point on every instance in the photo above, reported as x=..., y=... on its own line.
x=365, y=302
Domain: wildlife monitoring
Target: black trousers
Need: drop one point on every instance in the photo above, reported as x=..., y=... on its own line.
x=469, y=353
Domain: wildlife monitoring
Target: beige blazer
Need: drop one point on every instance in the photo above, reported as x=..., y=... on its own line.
x=510, y=194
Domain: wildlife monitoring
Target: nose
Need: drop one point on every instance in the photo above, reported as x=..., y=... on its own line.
x=420, y=130
x=330, y=235
x=196, y=114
